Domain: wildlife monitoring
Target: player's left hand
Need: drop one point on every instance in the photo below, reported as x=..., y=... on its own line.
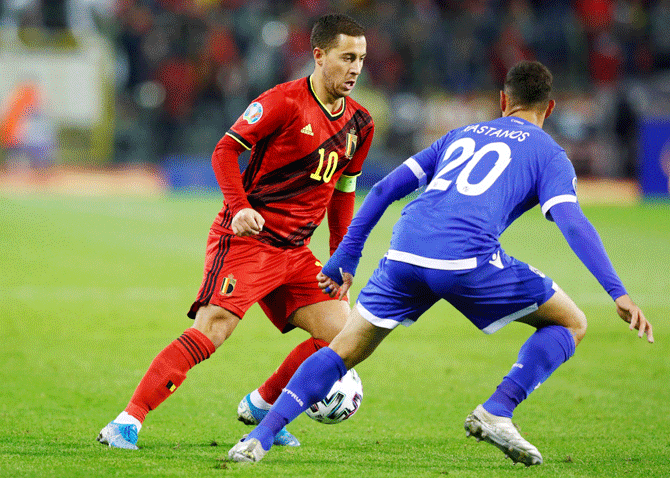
x=631, y=313
x=332, y=288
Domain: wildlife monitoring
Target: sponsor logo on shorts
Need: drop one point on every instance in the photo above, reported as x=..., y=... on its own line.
x=253, y=113
x=228, y=285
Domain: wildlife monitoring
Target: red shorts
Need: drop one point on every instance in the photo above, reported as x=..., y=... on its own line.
x=240, y=271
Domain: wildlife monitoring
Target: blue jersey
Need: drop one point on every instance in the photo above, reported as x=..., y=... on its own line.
x=479, y=179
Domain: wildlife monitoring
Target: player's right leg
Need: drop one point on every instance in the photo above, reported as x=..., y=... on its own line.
x=311, y=382
x=298, y=302
x=394, y=294
x=323, y=320
x=212, y=326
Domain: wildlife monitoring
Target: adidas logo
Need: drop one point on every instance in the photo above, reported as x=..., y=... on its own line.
x=308, y=130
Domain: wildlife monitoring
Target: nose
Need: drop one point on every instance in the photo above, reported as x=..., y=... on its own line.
x=356, y=67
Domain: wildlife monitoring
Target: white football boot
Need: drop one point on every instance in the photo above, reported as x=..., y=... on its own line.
x=501, y=432
x=247, y=451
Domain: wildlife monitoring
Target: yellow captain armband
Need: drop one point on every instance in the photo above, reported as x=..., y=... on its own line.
x=346, y=184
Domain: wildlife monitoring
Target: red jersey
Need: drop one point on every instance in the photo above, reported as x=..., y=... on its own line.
x=299, y=150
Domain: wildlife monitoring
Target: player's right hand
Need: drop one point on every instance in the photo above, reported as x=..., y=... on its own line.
x=631, y=313
x=247, y=222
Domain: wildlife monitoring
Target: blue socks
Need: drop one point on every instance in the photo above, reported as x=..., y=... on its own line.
x=309, y=384
x=543, y=352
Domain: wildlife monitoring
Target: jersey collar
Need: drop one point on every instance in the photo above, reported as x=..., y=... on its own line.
x=331, y=116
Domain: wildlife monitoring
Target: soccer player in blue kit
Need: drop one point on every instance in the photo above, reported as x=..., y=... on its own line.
x=479, y=178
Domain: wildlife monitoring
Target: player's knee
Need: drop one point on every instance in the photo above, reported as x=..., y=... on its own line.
x=216, y=323
x=578, y=328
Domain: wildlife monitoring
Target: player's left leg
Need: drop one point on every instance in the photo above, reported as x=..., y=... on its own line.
x=560, y=325
x=497, y=292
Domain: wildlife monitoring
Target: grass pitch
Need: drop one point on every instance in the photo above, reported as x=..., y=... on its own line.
x=91, y=289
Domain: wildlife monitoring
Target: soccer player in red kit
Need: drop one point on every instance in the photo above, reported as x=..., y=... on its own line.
x=308, y=141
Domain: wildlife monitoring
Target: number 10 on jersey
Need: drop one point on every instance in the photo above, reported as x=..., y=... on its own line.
x=331, y=166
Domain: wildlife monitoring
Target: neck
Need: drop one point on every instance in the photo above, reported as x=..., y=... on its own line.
x=532, y=116
x=330, y=102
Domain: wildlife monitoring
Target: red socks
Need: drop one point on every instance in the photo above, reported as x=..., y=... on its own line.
x=168, y=371
x=273, y=386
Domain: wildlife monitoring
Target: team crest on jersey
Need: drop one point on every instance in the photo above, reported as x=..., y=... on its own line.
x=253, y=113
x=228, y=285
x=352, y=140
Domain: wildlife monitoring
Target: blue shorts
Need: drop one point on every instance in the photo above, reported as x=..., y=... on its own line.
x=499, y=290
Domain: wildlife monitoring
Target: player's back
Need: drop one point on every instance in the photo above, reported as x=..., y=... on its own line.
x=480, y=178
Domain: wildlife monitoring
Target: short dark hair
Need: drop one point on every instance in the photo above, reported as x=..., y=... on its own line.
x=329, y=26
x=528, y=84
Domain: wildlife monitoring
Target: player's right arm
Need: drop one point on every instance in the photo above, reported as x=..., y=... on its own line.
x=414, y=173
x=263, y=117
x=246, y=221
x=337, y=274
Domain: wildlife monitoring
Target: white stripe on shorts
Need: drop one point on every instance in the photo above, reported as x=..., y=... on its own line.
x=383, y=323
x=428, y=263
x=500, y=323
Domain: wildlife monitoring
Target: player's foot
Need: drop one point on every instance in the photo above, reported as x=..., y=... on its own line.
x=119, y=435
x=501, y=432
x=249, y=414
x=247, y=451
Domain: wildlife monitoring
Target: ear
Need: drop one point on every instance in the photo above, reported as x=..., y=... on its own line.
x=550, y=109
x=318, y=54
x=503, y=101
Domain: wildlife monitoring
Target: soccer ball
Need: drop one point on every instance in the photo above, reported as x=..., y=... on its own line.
x=341, y=402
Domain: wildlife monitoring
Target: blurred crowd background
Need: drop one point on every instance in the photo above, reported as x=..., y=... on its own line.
x=160, y=81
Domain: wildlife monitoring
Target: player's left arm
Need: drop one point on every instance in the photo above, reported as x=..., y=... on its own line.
x=340, y=212
x=585, y=241
x=342, y=203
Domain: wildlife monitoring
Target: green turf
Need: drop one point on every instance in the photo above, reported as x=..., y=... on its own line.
x=91, y=289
